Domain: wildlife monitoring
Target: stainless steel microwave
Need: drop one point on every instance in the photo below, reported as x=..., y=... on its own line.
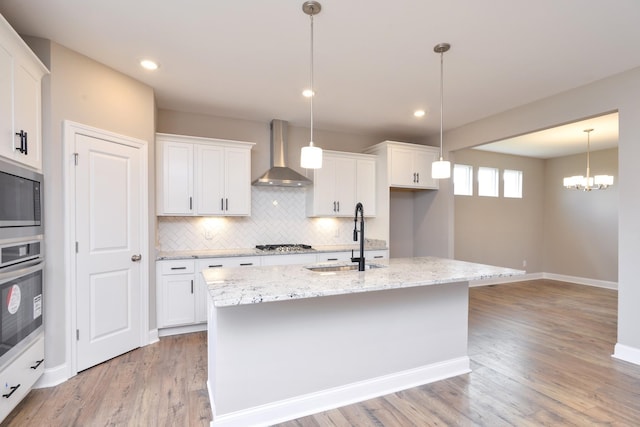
x=21, y=202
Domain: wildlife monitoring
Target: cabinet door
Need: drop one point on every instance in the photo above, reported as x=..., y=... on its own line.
x=345, y=186
x=6, y=104
x=27, y=106
x=366, y=185
x=324, y=188
x=237, y=181
x=177, y=179
x=402, y=171
x=209, y=180
x=177, y=300
x=422, y=165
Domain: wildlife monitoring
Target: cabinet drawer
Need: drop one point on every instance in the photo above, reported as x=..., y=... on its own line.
x=177, y=267
x=24, y=371
x=335, y=256
x=240, y=261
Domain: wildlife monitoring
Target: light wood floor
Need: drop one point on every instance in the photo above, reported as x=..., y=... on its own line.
x=540, y=352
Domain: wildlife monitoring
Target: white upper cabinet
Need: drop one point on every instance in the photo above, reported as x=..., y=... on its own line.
x=408, y=165
x=202, y=176
x=344, y=180
x=21, y=74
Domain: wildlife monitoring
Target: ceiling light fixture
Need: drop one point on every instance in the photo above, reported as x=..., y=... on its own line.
x=311, y=156
x=588, y=183
x=148, y=64
x=441, y=168
x=307, y=93
x=419, y=113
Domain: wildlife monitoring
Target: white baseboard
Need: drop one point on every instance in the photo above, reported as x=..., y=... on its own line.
x=165, y=332
x=312, y=403
x=551, y=276
x=153, y=336
x=53, y=376
x=626, y=353
x=582, y=281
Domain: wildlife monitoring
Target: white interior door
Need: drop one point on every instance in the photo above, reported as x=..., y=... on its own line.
x=108, y=276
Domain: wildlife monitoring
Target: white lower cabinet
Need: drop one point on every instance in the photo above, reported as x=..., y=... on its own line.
x=176, y=292
x=201, y=286
x=182, y=291
x=335, y=256
x=20, y=375
x=373, y=255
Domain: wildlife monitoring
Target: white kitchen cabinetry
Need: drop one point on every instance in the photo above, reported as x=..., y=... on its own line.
x=18, y=378
x=344, y=180
x=334, y=256
x=201, y=286
x=202, y=176
x=408, y=165
x=372, y=255
x=21, y=74
x=182, y=293
x=411, y=166
x=176, y=292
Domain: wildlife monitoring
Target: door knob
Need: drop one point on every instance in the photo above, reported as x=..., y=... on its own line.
x=136, y=258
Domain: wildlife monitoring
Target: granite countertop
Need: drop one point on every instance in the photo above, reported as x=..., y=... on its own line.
x=235, y=286
x=370, y=245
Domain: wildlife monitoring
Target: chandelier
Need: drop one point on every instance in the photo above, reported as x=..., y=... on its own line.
x=588, y=183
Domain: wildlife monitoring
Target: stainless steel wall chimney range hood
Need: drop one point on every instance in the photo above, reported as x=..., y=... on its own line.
x=279, y=175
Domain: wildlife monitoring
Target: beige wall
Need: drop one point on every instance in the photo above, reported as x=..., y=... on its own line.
x=497, y=230
x=84, y=91
x=616, y=93
x=581, y=228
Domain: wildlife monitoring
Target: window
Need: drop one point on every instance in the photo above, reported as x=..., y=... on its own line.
x=487, y=182
x=512, y=185
x=462, y=180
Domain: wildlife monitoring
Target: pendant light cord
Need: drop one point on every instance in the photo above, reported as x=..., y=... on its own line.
x=441, y=99
x=312, y=91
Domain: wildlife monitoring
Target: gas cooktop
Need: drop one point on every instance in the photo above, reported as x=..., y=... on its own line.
x=285, y=247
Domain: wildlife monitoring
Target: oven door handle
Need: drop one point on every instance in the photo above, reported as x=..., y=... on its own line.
x=22, y=269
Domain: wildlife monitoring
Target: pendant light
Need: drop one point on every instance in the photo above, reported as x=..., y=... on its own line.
x=441, y=168
x=311, y=156
x=588, y=183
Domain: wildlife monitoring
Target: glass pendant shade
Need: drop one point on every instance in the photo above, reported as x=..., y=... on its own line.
x=441, y=169
x=311, y=157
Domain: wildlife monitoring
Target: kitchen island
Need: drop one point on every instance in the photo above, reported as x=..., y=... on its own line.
x=287, y=341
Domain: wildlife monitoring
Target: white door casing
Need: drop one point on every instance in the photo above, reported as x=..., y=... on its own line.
x=107, y=199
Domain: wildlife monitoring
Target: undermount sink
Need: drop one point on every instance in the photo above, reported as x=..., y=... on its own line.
x=348, y=267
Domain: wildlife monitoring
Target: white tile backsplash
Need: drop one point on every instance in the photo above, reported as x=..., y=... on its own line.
x=278, y=215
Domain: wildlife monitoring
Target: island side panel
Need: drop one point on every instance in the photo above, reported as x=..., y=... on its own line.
x=268, y=352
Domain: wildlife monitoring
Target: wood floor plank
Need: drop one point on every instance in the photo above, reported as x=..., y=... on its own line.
x=540, y=355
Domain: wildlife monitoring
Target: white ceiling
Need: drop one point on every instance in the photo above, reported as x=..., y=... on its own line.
x=374, y=60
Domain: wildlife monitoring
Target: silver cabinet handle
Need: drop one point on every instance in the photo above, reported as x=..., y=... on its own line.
x=136, y=258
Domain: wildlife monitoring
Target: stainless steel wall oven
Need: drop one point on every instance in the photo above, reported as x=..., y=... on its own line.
x=21, y=283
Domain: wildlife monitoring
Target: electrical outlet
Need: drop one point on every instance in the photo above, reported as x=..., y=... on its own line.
x=524, y=263
x=336, y=233
x=208, y=234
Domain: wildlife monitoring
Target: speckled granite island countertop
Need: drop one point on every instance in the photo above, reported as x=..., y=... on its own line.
x=233, y=286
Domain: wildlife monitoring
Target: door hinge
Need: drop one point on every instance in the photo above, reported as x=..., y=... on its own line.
x=75, y=158
x=77, y=334
x=77, y=247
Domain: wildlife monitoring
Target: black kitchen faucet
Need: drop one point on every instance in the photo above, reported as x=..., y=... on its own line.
x=360, y=260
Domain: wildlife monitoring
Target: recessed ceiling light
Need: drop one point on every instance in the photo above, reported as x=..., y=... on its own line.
x=419, y=113
x=148, y=64
x=307, y=93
